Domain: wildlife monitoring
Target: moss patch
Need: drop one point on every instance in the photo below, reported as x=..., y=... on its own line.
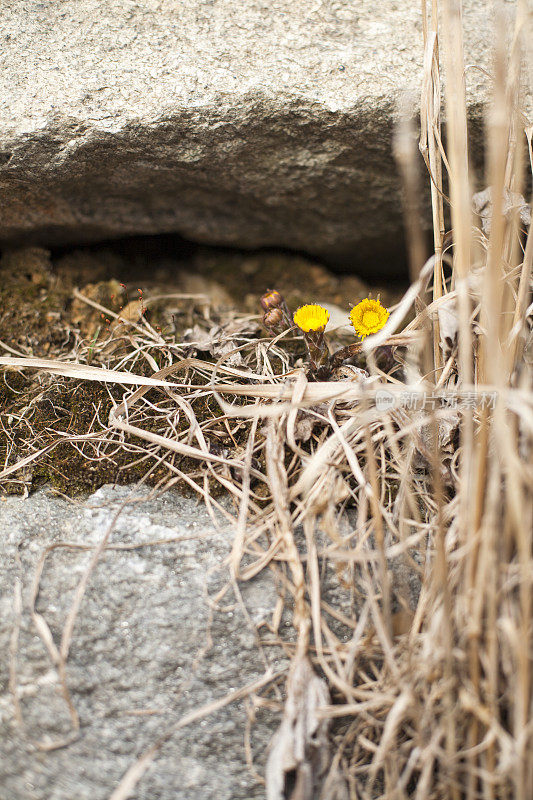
x=42, y=316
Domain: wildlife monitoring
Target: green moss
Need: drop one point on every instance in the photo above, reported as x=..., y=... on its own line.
x=40, y=317
x=39, y=412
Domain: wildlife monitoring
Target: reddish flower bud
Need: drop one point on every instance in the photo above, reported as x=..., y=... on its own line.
x=271, y=299
x=273, y=319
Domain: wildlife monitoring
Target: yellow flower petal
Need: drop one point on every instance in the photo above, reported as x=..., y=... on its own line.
x=368, y=317
x=311, y=318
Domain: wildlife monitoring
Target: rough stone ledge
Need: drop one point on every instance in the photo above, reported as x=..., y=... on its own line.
x=267, y=127
x=289, y=177
x=131, y=670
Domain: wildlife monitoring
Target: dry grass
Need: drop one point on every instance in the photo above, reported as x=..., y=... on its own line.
x=431, y=690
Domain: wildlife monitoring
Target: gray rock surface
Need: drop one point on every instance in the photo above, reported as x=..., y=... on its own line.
x=265, y=123
x=131, y=669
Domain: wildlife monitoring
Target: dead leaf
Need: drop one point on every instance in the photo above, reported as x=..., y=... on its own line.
x=349, y=372
x=448, y=324
x=447, y=429
x=222, y=340
x=233, y=360
x=305, y=423
x=299, y=751
x=513, y=201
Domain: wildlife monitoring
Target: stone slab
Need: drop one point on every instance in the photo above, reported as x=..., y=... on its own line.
x=141, y=629
x=264, y=123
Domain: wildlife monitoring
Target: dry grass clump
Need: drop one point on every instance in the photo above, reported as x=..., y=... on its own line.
x=413, y=484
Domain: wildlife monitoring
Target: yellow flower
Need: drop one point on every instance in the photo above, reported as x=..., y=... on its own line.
x=368, y=317
x=311, y=318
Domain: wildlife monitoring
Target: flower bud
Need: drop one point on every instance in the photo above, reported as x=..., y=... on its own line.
x=272, y=299
x=273, y=319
